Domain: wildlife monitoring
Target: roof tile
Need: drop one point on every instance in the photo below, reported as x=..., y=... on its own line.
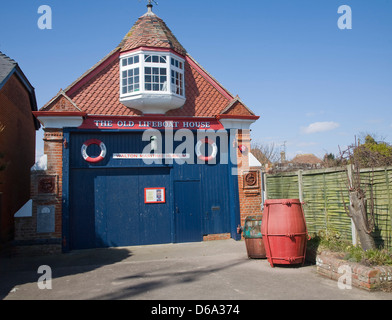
x=97, y=91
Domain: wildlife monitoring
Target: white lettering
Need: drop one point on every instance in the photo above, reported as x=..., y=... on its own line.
x=345, y=21
x=45, y=281
x=155, y=145
x=45, y=21
x=168, y=310
x=345, y=281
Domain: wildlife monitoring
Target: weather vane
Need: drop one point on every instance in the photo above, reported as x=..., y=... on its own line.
x=150, y=2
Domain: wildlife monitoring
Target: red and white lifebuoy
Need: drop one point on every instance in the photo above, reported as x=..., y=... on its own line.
x=213, y=146
x=89, y=143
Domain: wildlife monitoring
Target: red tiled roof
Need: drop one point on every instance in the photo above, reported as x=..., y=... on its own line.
x=151, y=31
x=97, y=91
x=306, y=158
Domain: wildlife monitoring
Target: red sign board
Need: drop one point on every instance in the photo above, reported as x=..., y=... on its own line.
x=144, y=123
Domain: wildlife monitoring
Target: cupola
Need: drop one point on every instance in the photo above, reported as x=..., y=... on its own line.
x=152, y=67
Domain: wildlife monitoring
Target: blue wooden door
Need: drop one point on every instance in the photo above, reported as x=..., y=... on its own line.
x=116, y=215
x=188, y=222
x=108, y=209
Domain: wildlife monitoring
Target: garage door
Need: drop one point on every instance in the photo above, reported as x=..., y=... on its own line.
x=107, y=207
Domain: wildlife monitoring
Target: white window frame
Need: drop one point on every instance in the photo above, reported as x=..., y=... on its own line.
x=127, y=68
x=142, y=64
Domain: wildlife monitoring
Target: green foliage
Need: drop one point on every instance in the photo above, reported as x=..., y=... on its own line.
x=332, y=240
x=331, y=161
x=372, y=153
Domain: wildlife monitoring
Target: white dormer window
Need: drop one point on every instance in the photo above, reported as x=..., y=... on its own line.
x=152, y=82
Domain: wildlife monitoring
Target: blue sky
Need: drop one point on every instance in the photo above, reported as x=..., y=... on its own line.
x=314, y=86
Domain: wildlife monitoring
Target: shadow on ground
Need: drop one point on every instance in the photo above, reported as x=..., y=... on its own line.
x=154, y=280
x=16, y=271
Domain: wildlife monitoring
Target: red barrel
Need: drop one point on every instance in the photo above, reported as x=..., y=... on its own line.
x=284, y=231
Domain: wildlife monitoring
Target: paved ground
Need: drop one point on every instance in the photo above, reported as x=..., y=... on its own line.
x=217, y=270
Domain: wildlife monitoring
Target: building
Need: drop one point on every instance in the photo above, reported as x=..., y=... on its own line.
x=146, y=147
x=17, y=142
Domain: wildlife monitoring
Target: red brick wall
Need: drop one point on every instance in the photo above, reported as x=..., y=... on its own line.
x=28, y=240
x=53, y=148
x=17, y=143
x=249, y=193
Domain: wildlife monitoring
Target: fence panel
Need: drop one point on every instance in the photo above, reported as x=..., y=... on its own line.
x=323, y=192
x=377, y=184
x=282, y=186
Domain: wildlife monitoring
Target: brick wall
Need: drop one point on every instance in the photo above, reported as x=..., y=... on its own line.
x=249, y=181
x=46, y=192
x=17, y=143
x=361, y=276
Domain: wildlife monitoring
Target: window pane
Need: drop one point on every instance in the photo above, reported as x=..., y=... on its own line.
x=130, y=72
x=155, y=70
x=177, y=82
x=136, y=87
x=155, y=59
x=147, y=58
x=148, y=87
x=163, y=71
x=136, y=71
x=137, y=79
x=130, y=80
x=124, y=62
x=162, y=59
x=163, y=79
x=147, y=70
x=148, y=78
x=136, y=59
x=156, y=79
x=124, y=74
x=155, y=87
x=130, y=60
x=124, y=82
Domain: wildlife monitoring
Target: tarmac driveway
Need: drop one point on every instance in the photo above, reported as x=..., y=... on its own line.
x=214, y=270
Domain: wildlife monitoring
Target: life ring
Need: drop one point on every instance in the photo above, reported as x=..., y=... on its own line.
x=212, y=144
x=89, y=143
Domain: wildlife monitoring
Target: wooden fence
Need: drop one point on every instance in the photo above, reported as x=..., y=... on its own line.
x=323, y=192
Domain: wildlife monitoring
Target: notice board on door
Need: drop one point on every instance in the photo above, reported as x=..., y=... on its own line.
x=154, y=195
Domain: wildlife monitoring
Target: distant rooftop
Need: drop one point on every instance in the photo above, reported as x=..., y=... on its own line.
x=306, y=158
x=6, y=66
